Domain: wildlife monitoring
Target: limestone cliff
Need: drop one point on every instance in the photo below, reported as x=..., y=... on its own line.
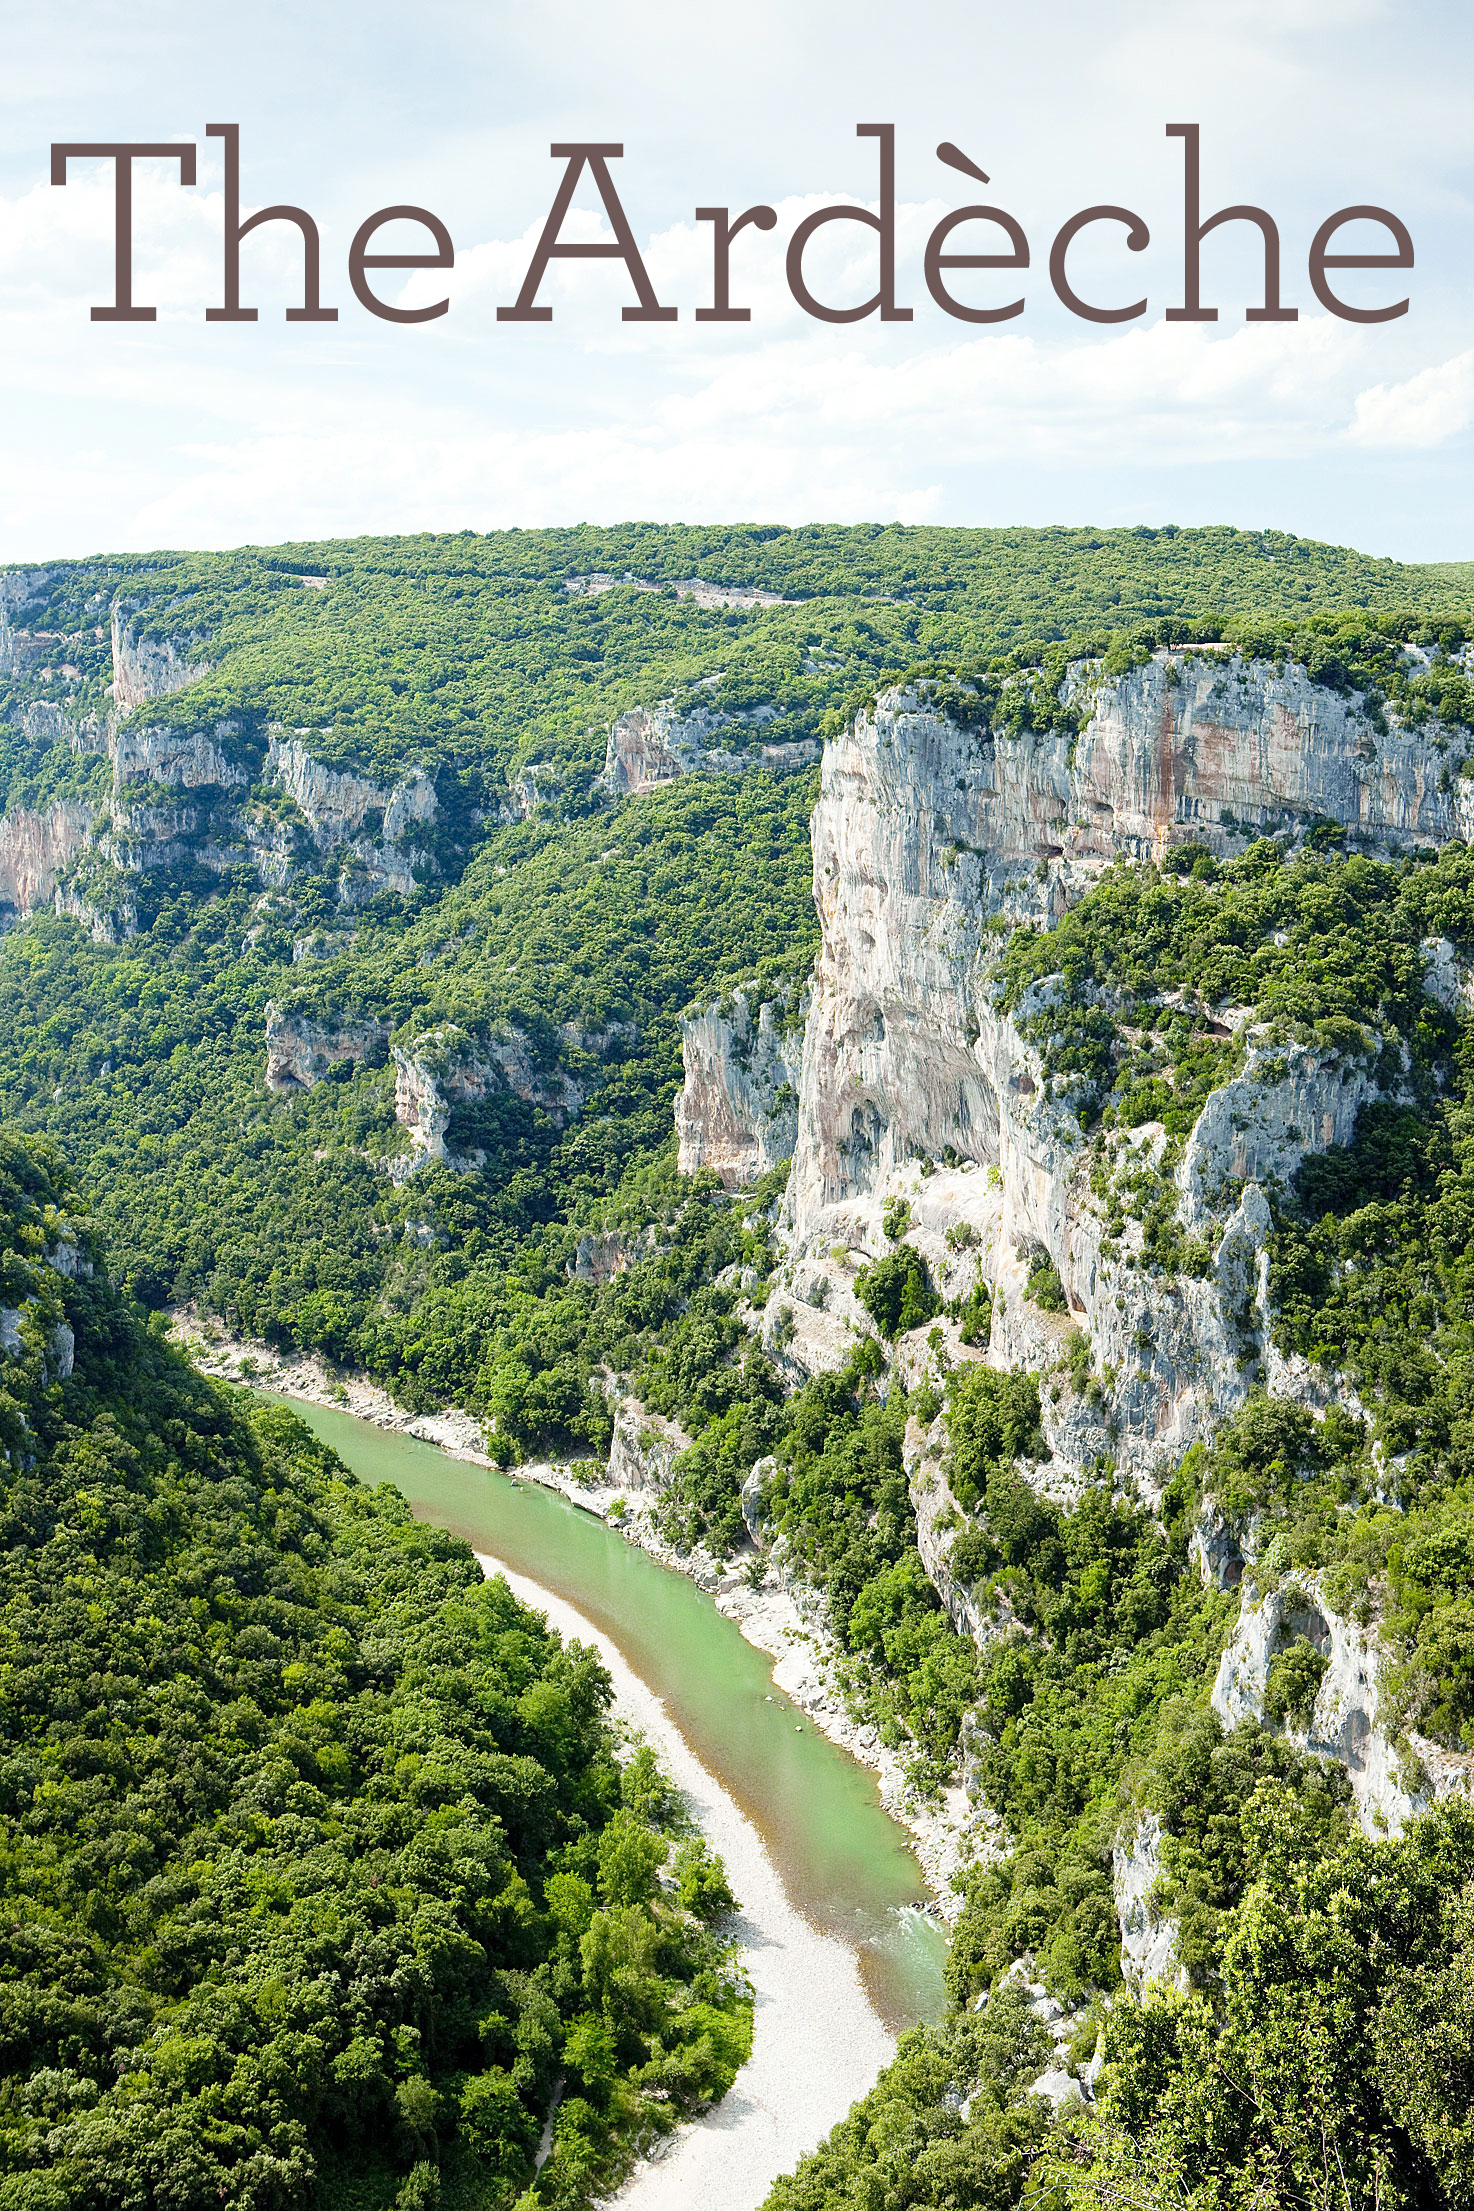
x=208, y=793
x=930, y=838
x=447, y=1067
x=36, y=848
x=344, y=811
x=1391, y=1777
x=651, y=745
x=933, y=835
x=737, y=1111
x=147, y=668
x=300, y=1051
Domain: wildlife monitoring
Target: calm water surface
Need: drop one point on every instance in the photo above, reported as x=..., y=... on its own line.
x=842, y=1859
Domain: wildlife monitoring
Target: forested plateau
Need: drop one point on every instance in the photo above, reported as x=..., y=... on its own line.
x=967, y=1036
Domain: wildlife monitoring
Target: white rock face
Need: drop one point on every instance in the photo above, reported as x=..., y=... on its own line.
x=1214, y=1547
x=1290, y=1099
x=690, y=587
x=147, y=668
x=1347, y=1723
x=602, y=1254
x=299, y=1051
x=188, y=760
x=37, y=846
x=939, y=1522
x=1446, y=975
x=337, y=806
x=181, y=793
x=446, y=1067
x=929, y=841
x=926, y=832
x=737, y=1112
x=644, y=1449
x=651, y=745
x=1148, y=1942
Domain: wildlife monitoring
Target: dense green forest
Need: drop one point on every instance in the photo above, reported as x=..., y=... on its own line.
x=396, y=1777
x=321, y=1864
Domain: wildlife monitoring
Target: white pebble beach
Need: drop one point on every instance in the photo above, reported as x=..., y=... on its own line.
x=818, y=2042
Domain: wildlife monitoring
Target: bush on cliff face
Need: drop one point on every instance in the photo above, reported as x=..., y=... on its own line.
x=318, y=1868
x=897, y=1292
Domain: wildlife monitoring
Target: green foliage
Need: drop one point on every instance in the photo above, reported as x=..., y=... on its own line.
x=992, y=1419
x=1295, y=1676
x=303, y=1818
x=897, y=1290
x=1338, y=2064
x=1329, y=947
x=1045, y=1289
x=427, y=1815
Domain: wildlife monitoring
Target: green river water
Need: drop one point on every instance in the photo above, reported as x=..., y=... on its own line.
x=843, y=1861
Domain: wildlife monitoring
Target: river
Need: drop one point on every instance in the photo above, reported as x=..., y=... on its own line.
x=843, y=1863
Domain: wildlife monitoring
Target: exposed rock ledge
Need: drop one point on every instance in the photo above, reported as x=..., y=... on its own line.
x=1347, y=1723
x=651, y=745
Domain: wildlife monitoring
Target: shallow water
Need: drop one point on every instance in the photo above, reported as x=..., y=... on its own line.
x=843, y=1861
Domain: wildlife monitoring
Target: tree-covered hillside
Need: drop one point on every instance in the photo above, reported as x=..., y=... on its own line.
x=592, y=918
x=538, y=1253
x=320, y=1869
x=473, y=654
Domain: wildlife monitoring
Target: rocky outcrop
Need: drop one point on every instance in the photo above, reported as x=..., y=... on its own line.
x=1202, y=745
x=690, y=587
x=1391, y=1779
x=1215, y=1547
x=602, y=1253
x=1446, y=976
x=928, y=836
x=147, y=668
x=348, y=812
x=939, y=1522
x=44, y=721
x=644, y=1449
x=930, y=839
x=1148, y=1940
x=447, y=1067
x=299, y=1050
x=1289, y=1099
x=37, y=846
x=651, y=745
x=737, y=1112
x=536, y=783
x=179, y=759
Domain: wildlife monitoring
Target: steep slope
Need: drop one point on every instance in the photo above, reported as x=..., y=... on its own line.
x=1097, y=1374
x=321, y=1876
x=1079, y=1036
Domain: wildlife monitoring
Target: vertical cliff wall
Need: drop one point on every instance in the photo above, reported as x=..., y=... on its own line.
x=737, y=1111
x=934, y=834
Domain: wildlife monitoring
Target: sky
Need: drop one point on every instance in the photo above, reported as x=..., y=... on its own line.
x=128, y=437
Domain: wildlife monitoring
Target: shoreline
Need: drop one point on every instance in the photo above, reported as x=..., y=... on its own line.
x=796, y=2085
x=769, y=1616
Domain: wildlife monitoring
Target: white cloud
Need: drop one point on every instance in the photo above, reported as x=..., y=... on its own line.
x=1426, y=410
x=186, y=433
